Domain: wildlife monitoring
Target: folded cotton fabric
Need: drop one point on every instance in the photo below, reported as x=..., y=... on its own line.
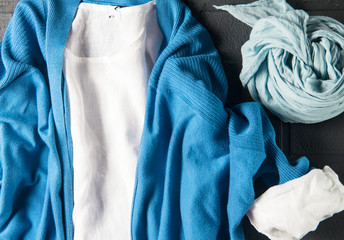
x=291, y=210
x=293, y=62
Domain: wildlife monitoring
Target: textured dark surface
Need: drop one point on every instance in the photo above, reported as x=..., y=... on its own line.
x=322, y=143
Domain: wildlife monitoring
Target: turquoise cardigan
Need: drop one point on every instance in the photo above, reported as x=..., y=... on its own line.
x=197, y=162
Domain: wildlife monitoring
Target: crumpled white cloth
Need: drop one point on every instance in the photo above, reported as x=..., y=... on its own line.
x=293, y=63
x=291, y=210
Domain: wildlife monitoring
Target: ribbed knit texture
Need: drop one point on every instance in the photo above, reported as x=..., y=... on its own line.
x=198, y=161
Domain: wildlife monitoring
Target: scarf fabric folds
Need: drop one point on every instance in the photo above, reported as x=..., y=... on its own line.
x=292, y=63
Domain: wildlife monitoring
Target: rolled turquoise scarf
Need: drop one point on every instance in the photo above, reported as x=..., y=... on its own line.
x=292, y=63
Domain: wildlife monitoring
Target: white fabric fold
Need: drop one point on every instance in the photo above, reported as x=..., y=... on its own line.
x=291, y=210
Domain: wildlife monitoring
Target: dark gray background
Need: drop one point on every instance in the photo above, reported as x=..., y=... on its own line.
x=322, y=143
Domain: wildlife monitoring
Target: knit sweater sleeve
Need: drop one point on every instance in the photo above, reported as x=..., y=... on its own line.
x=296, y=201
x=190, y=86
x=254, y=154
x=30, y=180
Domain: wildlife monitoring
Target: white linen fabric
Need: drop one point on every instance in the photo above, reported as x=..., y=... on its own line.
x=291, y=210
x=109, y=54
